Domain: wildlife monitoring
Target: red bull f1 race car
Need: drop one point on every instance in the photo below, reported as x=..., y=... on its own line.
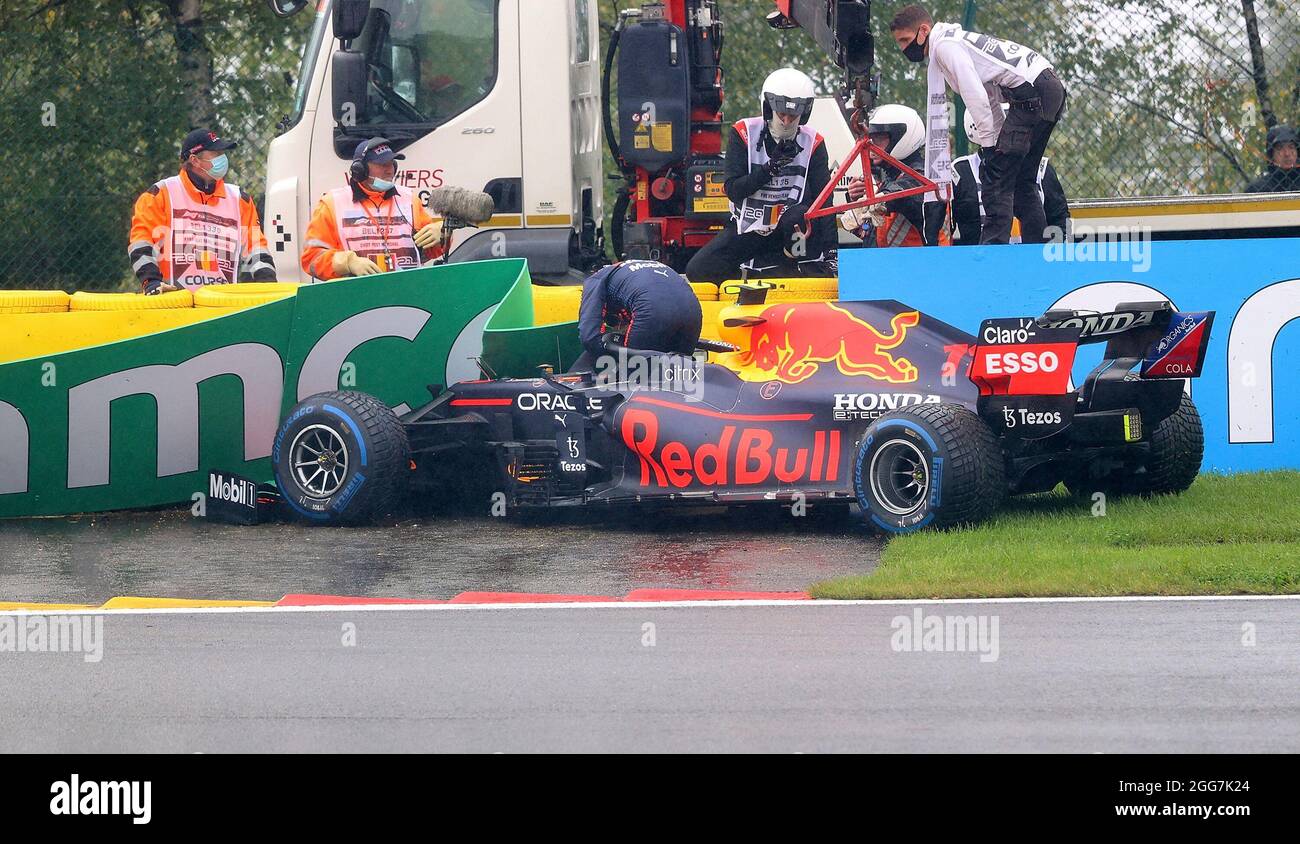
x=872, y=404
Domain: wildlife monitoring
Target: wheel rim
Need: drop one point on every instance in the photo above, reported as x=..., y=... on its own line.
x=320, y=460
x=900, y=477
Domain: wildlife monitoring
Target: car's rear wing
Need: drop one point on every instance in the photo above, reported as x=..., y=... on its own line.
x=1022, y=368
x=1028, y=356
x=1170, y=343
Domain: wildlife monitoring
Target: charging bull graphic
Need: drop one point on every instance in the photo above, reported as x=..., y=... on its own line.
x=792, y=340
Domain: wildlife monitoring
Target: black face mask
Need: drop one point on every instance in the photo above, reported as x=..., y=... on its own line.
x=915, y=51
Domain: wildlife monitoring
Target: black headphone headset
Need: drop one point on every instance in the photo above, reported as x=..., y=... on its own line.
x=359, y=170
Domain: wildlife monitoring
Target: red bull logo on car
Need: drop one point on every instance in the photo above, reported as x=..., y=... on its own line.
x=792, y=341
x=729, y=455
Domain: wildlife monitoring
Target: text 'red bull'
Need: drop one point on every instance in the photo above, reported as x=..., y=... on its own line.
x=794, y=339
x=739, y=456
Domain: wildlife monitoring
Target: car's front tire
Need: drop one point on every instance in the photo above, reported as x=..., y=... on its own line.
x=928, y=466
x=341, y=458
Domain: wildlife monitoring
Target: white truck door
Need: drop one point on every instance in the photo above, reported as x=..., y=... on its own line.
x=444, y=87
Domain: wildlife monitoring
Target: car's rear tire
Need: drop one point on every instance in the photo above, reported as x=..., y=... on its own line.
x=928, y=466
x=1174, y=454
x=1177, y=449
x=341, y=458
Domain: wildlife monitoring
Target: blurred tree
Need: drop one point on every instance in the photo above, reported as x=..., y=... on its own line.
x=195, y=60
x=95, y=96
x=1166, y=97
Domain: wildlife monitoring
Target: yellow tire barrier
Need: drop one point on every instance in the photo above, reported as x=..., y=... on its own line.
x=552, y=305
x=82, y=301
x=38, y=335
x=33, y=301
x=705, y=291
x=243, y=295
x=801, y=285
x=774, y=296
x=560, y=303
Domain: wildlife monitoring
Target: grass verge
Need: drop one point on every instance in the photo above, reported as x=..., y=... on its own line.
x=1227, y=535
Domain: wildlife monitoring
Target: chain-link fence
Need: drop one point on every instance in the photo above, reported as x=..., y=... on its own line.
x=95, y=97
x=1167, y=97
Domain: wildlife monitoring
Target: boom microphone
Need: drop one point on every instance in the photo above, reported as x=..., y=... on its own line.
x=459, y=207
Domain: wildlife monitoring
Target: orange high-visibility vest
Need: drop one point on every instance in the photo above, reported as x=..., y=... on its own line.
x=204, y=244
x=897, y=230
x=385, y=235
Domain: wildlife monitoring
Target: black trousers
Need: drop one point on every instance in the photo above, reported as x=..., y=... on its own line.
x=1009, y=171
x=720, y=259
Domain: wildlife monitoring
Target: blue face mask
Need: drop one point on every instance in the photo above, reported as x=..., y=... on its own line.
x=381, y=185
x=219, y=166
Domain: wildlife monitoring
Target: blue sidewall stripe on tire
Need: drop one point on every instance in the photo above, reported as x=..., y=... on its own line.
x=907, y=423
x=356, y=432
x=857, y=474
x=896, y=529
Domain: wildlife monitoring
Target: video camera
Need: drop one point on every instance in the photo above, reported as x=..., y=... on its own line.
x=840, y=27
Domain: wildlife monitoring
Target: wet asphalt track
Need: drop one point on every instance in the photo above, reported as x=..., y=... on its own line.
x=88, y=559
x=1152, y=676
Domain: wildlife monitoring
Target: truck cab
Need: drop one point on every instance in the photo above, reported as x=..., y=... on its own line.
x=501, y=96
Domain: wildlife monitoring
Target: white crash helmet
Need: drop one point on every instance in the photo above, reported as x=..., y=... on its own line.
x=969, y=122
x=902, y=124
x=787, y=91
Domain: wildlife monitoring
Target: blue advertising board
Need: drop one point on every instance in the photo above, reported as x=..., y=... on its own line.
x=1249, y=392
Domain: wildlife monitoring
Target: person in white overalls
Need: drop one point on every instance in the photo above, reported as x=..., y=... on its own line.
x=987, y=72
x=968, y=201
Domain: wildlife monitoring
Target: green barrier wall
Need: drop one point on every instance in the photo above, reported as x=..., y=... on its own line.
x=139, y=423
x=513, y=347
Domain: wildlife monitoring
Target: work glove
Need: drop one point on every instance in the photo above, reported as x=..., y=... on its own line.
x=776, y=165
x=155, y=287
x=855, y=221
x=350, y=263
x=796, y=224
x=795, y=216
x=429, y=235
x=860, y=221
